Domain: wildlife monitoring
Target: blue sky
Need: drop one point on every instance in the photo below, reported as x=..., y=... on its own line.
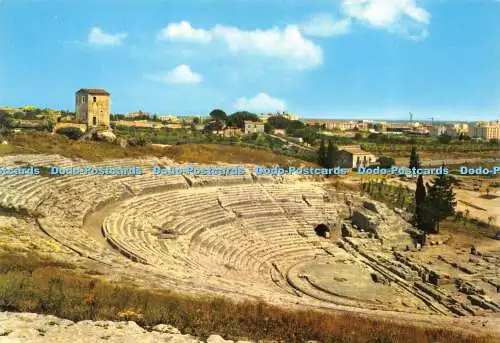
x=317, y=58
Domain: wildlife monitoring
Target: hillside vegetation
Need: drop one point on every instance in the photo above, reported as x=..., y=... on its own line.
x=46, y=143
x=31, y=284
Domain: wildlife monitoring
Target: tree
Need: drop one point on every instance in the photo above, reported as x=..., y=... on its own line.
x=214, y=126
x=218, y=115
x=414, y=159
x=70, y=132
x=331, y=155
x=322, y=153
x=238, y=118
x=440, y=201
x=444, y=139
x=422, y=217
x=386, y=162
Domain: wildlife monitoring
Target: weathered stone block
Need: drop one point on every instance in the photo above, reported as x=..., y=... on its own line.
x=365, y=221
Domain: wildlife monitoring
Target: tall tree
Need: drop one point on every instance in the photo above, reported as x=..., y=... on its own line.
x=420, y=193
x=218, y=115
x=238, y=118
x=423, y=218
x=322, y=153
x=331, y=155
x=414, y=159
x=440, y=201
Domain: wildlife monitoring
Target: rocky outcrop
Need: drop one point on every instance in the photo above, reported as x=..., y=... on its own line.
x=36, y=328
x=365, y=221
x=370, y=205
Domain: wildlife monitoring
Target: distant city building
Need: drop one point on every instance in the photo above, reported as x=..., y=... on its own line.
x=169, y=118
x=92, y=107
x=253, y=127
x=353, y=156
x=138, y=123
x=231, y=131
x=380, y=127
x=173, y=126
x=280, y=132
x=189, y=119
x=264, y=117
x=285, y=114
x=138, y=114
x=485, y=130
x=437, y=130
x=453, y=130
x=332, y=125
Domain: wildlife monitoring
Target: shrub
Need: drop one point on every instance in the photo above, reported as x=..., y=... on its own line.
x=386, y=162
x=70, y=132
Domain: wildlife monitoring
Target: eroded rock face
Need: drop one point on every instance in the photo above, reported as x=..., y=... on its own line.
x=36, y=328
x=365, y=221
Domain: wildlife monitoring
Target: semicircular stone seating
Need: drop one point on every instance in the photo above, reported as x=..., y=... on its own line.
x=210, y=225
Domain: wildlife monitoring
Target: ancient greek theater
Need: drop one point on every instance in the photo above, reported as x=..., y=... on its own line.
x=291, y=240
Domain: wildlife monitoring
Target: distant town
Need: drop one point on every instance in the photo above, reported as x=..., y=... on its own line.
x=360, y=143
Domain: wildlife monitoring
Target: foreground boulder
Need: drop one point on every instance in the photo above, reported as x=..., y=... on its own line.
x=36, y=328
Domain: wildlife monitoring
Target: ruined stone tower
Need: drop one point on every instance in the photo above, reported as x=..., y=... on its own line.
x=92, y=108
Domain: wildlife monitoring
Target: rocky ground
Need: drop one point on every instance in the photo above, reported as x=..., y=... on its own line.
x=36, y=328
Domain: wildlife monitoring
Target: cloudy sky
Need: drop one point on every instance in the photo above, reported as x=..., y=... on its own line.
x=317, y=58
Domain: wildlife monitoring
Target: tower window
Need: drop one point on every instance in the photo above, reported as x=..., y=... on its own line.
x=95, y=99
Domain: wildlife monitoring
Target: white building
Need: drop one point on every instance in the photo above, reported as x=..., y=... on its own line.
x=485, y=130
x=453, y=130
x=253, y=127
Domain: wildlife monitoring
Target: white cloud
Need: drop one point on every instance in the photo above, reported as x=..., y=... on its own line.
x=325, y=25
x=181, y=74
x=98, y=37
x=183, y=31
x=287, y=44
x=386, y=13
x=260, y=103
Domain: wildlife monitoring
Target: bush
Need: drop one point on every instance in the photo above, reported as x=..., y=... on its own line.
x=444, y=139
x=70, y=132
x=386, y=162
x=138, y=141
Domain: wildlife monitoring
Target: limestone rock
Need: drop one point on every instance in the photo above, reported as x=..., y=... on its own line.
x=36, y=328
x=164, y=328
x=107, y=136
x=217, y=339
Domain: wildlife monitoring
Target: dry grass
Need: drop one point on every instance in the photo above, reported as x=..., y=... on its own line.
x=46, y=143
x=28, y=283
x=40, y=142
x=212, y=153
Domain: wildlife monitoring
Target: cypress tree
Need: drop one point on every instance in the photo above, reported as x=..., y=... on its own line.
x=420, y=192
x=322, y=154
x=440, y=201
x=414, y=159
x=331, y=155
x=422, y=216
